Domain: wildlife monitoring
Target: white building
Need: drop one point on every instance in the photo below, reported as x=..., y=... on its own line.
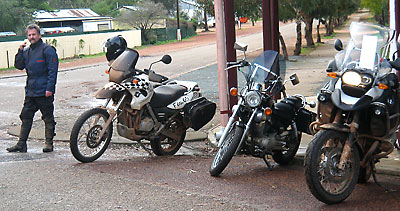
x=81, y=20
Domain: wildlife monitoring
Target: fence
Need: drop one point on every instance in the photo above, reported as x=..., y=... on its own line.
x=70, y=45
x=169, y=33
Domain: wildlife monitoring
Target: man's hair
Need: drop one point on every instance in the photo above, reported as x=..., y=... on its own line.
x=33, y=26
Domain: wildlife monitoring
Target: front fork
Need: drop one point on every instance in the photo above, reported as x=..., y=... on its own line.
x=346, y=152
x=112, y=112
x=229, y=125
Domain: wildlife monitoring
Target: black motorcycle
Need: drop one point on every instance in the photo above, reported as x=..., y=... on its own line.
x=357, y=115
x=259, y=126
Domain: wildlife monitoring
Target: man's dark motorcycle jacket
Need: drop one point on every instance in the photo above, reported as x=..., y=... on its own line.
x=41, y=63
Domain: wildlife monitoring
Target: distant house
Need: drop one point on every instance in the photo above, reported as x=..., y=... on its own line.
x=191, y=8
x=81, y=20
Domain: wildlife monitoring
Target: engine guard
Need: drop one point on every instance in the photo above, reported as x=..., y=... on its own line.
x=336, y=127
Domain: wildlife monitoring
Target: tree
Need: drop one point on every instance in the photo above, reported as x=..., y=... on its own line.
x=378, y=8
x=110, y=7
x=169, y=5
x=288, y=13
x=249, y=8
x=208, y=9
x=10, y=21
x=144, y=17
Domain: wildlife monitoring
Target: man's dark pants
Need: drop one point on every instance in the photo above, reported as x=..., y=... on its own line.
x=31, y=106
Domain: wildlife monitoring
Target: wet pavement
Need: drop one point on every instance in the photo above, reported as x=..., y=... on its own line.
x=127, y=178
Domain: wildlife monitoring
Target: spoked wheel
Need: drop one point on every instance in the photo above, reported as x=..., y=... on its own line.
x=326, y=181
x=168, y=146
x=292, y=145
x=227, y=150
x=85, y=144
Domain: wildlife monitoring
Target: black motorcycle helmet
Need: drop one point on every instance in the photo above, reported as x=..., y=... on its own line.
x=115, y=46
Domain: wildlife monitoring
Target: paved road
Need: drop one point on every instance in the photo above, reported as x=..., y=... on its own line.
x=126, y=178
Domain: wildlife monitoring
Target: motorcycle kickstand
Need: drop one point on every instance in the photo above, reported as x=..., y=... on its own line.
x=376, y=181
x=270, y=166
x=145, y=148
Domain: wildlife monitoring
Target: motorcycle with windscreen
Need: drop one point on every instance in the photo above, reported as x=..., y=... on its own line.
x=357, y=114
x=143, y=104
x=260, y=126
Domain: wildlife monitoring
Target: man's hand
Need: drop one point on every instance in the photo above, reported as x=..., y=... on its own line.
x=22, y=46
x=48, y=93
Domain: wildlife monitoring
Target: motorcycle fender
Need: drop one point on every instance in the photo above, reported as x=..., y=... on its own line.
x=108, y=90
x=188, y=84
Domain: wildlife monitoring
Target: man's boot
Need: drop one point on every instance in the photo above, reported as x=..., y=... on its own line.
x=23, y=136
x=49, y=134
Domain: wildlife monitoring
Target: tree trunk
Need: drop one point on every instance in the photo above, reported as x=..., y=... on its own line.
x=329, y=26
x=284, y=49
x=318, y=34
x=308, y=30
x=297, y=49
x=205, y=20
x=331, y=20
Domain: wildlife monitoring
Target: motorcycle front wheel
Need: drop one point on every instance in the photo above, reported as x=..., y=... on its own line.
x=226, y=150
x=85, y=144
x=164, y=145
x=326, y=181
x=292, y=145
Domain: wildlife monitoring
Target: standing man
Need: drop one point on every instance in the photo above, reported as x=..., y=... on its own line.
x=40, y=61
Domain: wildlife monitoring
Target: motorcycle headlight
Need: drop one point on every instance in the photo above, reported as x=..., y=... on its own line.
x=253, y=99
x=351, y=78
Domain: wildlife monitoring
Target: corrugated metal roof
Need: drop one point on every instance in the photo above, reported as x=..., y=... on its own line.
x=65, y=13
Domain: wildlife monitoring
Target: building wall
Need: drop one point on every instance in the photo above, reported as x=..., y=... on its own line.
x=69, y=46
x=93, y=25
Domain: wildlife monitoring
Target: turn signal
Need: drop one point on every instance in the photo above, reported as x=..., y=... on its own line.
x=135, y=81
x=107, y=71
x=383, y=86
x=332, y=75
x=234, y=91
x=268, y=111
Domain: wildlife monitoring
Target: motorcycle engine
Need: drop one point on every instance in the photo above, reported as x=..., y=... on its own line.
x=270, y=142
x=146, y=124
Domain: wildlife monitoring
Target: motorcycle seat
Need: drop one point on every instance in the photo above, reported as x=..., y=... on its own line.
x=166, y=94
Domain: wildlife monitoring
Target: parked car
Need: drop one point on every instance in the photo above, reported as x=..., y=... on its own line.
x=210, y=22
x=6, y=34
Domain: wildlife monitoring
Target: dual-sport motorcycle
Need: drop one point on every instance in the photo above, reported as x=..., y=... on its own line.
x=259, y=126
x=357, y=114
x=144, y=104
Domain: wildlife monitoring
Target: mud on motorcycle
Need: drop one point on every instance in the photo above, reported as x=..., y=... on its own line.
x=144, y=105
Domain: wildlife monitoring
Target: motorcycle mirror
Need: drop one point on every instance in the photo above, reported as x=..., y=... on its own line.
x=338, y=45
x=240, y=46
x=166, y=59
x=294, y=79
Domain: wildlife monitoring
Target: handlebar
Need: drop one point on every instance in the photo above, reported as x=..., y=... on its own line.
x=241, y=63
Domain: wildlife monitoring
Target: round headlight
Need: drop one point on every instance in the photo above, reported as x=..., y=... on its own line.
x=253, y=99
x=351, y=78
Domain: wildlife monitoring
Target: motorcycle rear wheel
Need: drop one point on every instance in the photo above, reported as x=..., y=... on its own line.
x=325, y=180
x=285, y=157
x=226, y=151
x=167, y=146
x=83, y=139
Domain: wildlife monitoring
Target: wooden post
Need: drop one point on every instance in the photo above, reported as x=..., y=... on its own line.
x=8, y=60
x=221, y=61
x=230, y=50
